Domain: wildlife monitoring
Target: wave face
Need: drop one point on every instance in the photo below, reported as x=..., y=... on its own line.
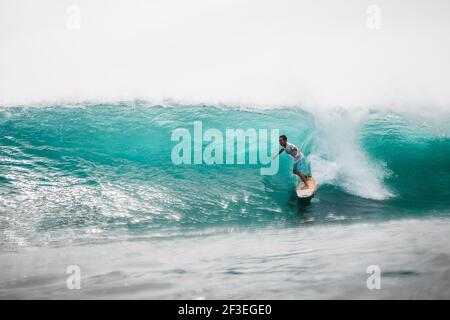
x=90, y=168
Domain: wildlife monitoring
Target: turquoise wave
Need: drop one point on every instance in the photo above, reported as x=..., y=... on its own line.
x=109, y=167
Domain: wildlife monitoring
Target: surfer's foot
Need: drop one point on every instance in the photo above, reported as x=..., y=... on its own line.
x=306, y=186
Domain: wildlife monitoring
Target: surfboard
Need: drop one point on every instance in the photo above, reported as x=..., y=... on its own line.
x=306, y=193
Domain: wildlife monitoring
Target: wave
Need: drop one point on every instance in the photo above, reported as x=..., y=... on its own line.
x=355, y=152
x=101, y=171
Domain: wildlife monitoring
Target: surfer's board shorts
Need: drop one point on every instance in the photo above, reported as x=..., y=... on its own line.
x=301, y=166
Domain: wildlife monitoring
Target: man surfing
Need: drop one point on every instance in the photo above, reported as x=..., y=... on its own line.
x=299, y=168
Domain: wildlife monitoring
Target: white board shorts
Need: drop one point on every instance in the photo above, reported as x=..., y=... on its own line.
x=301, y=166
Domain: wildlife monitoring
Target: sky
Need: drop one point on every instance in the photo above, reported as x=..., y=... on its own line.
x=338, y=53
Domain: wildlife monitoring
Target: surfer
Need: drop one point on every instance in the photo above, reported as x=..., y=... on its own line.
x=299, y=167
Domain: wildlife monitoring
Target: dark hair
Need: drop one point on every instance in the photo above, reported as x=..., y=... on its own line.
x=283, y=137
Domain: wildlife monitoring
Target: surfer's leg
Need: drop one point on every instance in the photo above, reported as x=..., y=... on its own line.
x=305, y=181
x=302, y=170
x=297, y=170
x=302, y=177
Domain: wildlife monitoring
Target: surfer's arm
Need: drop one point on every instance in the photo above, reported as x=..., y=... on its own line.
x=279, y=152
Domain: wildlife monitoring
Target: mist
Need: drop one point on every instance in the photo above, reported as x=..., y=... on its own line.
x=269, y=53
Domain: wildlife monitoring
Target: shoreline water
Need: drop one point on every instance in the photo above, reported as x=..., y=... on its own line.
x=314, y=262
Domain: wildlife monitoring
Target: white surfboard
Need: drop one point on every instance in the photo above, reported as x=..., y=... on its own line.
x=306, y=193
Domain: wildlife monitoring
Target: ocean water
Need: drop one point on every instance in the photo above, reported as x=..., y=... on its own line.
x=94, y=185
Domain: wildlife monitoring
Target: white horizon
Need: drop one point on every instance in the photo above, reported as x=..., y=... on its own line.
x=270, y=53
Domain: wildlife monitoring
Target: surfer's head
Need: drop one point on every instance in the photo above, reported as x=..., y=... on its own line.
x=282, y=140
